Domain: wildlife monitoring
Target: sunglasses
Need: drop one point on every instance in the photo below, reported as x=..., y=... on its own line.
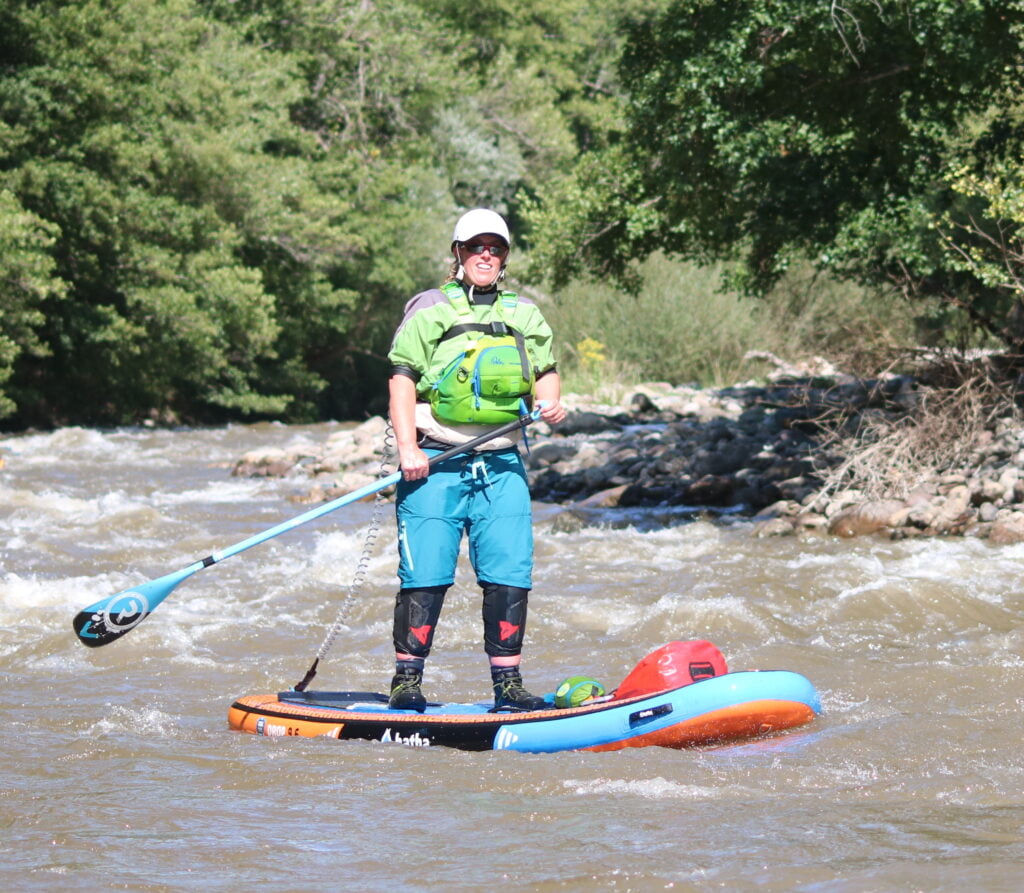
x=478, y=248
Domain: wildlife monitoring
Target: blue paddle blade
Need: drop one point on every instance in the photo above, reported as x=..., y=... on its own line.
x=116, y=615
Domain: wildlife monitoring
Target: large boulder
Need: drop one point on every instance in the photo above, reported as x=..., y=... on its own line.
x=866, y=518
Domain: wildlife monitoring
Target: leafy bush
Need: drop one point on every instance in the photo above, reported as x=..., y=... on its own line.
x=683, y=326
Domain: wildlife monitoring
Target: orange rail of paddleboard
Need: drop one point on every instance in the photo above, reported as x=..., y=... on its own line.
x=250, y=714
x=741, y=721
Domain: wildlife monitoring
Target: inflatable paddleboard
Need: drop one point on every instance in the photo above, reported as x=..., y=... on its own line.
x=705, y=705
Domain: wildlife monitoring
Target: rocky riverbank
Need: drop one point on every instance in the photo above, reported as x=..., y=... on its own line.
x=761, y=452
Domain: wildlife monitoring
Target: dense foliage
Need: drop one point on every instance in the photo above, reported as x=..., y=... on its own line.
x=215, y=209
x=772, y=131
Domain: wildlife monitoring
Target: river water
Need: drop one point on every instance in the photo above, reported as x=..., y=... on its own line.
x=118, y=770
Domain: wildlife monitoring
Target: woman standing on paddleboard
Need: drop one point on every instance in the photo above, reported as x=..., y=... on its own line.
x=467, y=356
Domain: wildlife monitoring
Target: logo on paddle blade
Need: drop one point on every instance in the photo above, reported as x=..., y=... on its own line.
x=124, y=612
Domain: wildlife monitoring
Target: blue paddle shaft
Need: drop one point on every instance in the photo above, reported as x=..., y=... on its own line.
x=304, y=518
x=112, y=617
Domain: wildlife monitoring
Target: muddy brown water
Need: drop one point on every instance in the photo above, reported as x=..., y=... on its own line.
x=118, y=770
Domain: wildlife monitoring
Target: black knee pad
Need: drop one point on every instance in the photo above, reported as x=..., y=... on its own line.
x=504, y=619
x=416, y=614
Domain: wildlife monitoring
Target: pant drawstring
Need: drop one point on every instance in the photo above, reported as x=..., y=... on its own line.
x=478, y=468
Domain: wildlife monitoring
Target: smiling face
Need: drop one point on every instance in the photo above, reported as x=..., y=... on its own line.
x=482, y=257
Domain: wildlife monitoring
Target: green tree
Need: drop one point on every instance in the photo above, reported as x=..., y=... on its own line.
x=27, y=284
x=237, y=196
x=986, y=240
x=160, y=148
x=423, y=108
x=769, y=131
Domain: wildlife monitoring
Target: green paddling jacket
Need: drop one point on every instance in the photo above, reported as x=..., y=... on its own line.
x=421, y=351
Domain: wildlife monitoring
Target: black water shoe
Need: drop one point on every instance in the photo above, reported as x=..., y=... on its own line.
x=509, y=693
x=405, y=691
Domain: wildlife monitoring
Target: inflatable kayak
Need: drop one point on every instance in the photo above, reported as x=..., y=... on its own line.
x=702, y=704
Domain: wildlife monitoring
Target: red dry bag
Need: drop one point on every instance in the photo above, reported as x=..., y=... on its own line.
x=673, y=666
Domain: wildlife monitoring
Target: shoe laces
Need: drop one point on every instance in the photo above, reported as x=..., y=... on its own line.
x=409, y=683
x=512, y=688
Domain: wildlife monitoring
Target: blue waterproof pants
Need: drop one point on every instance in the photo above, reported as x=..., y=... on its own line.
x=482, y=495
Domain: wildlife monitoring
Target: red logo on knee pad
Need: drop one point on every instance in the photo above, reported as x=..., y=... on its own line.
x=422, y=633
x=508, y=630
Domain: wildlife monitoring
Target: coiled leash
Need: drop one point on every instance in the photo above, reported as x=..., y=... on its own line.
x=359, y=577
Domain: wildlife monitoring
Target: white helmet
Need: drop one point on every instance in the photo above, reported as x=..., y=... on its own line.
x=478, y=222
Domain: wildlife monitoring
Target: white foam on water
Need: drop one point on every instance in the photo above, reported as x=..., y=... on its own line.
x=223, y=606
x=657, y=788
x=336, y=555
x=627, y=552
x=148, y=448
x=233, y=490
x=873, y=585
x=838, y=701
x=147, y=721
x=40, y=608
x=19, y=594
x=955, y=561
x=972, y=567
x=672, y=611
x=697, y=612
x=1003, y=649
x=834, y=574
x=28, y=508
x=701, y=607
x=47, y=448
x=600, y=614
